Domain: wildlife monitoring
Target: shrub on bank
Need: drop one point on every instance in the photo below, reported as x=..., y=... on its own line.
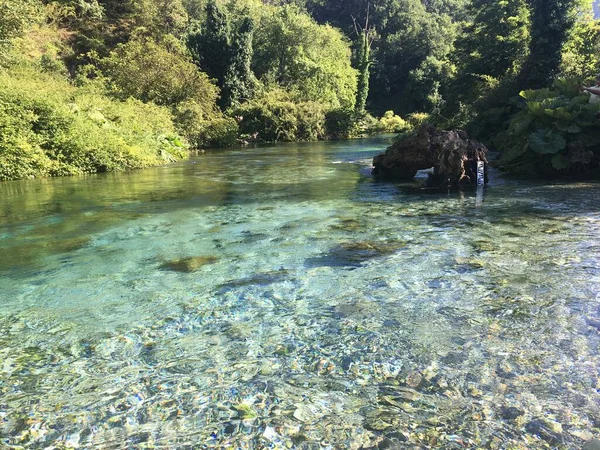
x=275, y=119
x=341, y=123
x=391, y=123
x=556, y=131
x=50, y=128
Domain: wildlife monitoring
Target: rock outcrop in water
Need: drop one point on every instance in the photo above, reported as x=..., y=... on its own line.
x=452, y=154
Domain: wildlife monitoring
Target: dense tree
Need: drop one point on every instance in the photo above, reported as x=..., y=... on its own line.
x=411, y=55
x=495, y=42
x=15, y=16
x=224, y=51
x=157, y=72
x=210, y=44
x=491, y=47
x=239, y=83
x=551, y=21
x=161, y=17
x=364, y=65
x=581, y=53
x=310, y=60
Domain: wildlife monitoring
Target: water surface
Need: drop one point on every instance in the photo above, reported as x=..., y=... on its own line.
x=326, y=310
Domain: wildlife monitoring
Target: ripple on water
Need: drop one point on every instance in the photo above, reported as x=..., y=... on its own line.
x=321, y=309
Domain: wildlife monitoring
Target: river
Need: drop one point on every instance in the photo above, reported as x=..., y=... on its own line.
x=280, y=297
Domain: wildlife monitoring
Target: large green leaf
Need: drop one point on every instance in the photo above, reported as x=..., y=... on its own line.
x=536, y=108
x=547, y=141
x=590, y=137
x=559, y=113
x=571, y=128
x=521, y=122
x=537, y=95
x=559, y=162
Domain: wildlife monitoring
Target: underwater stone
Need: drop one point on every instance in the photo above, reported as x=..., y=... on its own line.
x=510, y=412
x=546, y=429
x=414, y=379
x=594, y=444
x=188, y=265
x=353, y=254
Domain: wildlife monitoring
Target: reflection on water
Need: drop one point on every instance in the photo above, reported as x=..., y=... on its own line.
x=279, y=297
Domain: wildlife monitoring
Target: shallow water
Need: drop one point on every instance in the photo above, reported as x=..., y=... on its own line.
x=328, y=310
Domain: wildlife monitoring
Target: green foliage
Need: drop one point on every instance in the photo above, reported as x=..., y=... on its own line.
x=309, y=60
x=276, y=117
x=211, y=45
x=341, y=123
x=581, y=52
x=364, y=72
x=417, y=119
x=49, y=128
x=224, y=51
x=491, y=47
x=15, y=17
x=551, y=22
x=546, y=141
x=221, y=132
x=162, y=74
x=391, y=123
x=495, y=42
x=157, y=72
x=556, y=130
x=239, y=83
x=412, y=54
x=161, y=17
x=203, y=130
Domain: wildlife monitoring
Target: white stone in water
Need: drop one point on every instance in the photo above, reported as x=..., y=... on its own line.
x=270, y=434
x=307, y=413
x=73, y=440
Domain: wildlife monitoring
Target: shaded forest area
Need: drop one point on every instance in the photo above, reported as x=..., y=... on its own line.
x=101, y=85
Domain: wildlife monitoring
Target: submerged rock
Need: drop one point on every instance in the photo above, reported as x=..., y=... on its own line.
x=353, y=254
x=261, y=278
x=511, y=412
x=452, y=154
x=548, y=430
x=188, y=265
x=594, y=444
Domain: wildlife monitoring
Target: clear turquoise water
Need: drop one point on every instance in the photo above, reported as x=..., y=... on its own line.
x=338, y=312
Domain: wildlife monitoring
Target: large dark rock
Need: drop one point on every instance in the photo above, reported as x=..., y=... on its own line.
x=452, y=154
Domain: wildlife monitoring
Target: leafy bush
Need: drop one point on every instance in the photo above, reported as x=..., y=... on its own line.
x=555, y=131
x=162, y=73
x=158, y=72
x=341, y=123
x=219, y=133
x=391, y=123
x=580, y=58
x=276, y=117
x=202, y=132
x=417, y=119
x=50, y=128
